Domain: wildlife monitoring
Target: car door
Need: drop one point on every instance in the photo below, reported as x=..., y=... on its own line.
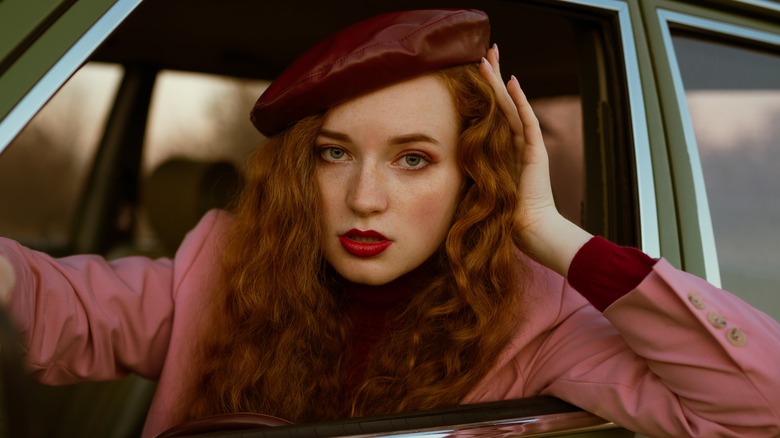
x=41, y=44
x=718, y=76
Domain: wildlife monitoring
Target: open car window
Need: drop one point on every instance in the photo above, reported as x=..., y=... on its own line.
x=44, y=170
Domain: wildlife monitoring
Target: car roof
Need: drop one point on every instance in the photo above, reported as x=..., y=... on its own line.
x=257, y=40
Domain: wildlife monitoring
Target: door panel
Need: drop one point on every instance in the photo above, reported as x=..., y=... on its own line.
x=37, y=40
x=22, y=21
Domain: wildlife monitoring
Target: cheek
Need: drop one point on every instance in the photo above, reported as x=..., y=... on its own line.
x=436, y=208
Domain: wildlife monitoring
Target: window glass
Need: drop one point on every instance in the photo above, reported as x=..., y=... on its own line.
x=201, y=116
x=43, y=170
x=561, y=121
x=197, y=140
x=733, y=94
x=204, y=119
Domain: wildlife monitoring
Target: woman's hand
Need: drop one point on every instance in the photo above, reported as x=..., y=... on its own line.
x=549, y=238
x=7, y=280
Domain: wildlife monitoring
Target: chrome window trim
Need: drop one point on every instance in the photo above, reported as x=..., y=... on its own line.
x=648, y=210
x=42, y=91
x=667, y=17
x=549, y=425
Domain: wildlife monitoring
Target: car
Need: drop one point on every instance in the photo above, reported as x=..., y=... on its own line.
x=123, y=121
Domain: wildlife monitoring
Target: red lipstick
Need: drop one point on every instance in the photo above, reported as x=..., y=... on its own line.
x=364, y=243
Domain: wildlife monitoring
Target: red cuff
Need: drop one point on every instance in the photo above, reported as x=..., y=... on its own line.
x=603, y=272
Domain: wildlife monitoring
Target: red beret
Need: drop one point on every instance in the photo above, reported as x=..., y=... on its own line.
x=369, y=55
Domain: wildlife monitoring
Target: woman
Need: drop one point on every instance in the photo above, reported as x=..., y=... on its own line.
x=397, y=248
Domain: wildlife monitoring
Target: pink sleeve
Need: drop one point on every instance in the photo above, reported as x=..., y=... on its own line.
x=85, y=318
x=671, y=356
x=676, y=356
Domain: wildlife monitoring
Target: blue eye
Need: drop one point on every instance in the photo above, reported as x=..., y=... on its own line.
x=333, y=153
x=413, y=161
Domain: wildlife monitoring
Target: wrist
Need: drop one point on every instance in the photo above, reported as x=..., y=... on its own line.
x=554, y=242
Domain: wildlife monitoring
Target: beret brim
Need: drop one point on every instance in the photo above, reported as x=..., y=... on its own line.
x=369, y=55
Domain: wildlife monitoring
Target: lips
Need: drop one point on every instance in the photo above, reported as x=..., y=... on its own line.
x=364, y=243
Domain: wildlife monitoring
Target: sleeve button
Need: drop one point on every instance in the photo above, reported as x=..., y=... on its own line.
x=696, y=300
x=736, y=337
x=716, y=319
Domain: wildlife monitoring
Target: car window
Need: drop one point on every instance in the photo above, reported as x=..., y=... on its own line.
x=201, y=116
x=43, y=171
x=733, y=95
x=198, y=133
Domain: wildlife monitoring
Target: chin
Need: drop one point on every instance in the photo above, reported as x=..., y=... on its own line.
x=360, y=273
x=368, y=279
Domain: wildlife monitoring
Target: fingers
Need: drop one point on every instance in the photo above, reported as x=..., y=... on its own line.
x=531, y=129
x=490, y=69
x=492, y=57
x=514, y=104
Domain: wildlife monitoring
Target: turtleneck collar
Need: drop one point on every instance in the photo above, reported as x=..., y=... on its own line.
x=371, y=309
x=388, y=295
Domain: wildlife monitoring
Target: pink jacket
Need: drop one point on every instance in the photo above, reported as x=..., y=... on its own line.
x=674, y=357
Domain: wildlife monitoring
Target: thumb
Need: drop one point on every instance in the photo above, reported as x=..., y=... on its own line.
x=7, y=280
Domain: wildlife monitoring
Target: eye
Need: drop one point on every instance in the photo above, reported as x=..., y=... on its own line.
x=332, y=153
x=414, y=160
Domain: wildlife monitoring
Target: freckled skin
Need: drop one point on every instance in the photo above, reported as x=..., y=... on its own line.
x=387, y=163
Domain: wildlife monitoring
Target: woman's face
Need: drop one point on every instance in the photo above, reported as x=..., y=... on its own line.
x=389, y=180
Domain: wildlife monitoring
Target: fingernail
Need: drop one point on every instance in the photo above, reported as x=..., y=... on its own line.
x=495, y=47
x=485, y=61
x=513, y=78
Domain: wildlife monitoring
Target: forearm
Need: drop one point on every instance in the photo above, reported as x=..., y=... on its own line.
x=79, y=317
x=657, y=363
x=724, y=370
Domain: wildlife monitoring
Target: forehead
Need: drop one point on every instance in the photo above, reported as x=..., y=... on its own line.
x=415, y=104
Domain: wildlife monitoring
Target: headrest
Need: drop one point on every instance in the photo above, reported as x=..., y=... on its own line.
x=180, y=191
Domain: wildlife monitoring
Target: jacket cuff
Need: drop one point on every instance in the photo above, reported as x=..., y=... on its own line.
x=602, y=271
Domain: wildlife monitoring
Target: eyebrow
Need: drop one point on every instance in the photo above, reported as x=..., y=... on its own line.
x=334, y=135
x=399, y=140
x=413, y=138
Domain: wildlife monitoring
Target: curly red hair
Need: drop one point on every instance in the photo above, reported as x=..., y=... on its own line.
x=278, y=331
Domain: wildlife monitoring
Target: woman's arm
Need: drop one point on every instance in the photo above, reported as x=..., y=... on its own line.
x=85, y=318
x=699, y=361
x=549, y=238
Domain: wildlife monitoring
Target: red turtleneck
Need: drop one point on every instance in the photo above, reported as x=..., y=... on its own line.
x=371, y=309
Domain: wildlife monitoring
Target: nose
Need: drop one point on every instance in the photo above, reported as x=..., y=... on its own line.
x=366, y=194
